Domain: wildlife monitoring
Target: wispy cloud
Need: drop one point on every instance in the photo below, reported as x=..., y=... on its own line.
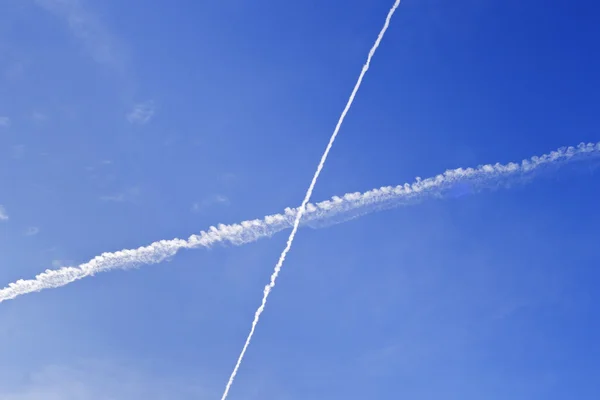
x=212, y=200
x=61, y=263
x=4, y=121
x=98, y=165
x=99, y=380
x=32, y=231
x=38, y=116
x=338, y=209
x=142, y=113
x=129, y=194
x=88, y=29
x=3, y=213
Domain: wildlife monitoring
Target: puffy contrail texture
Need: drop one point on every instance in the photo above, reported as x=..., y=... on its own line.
x=337, y=208
x=302, y=209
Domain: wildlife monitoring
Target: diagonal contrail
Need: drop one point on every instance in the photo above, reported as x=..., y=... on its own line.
x=338, y=209
x=302, y=208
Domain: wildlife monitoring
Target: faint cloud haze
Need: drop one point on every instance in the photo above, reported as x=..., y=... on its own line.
x=14, y=71
x=4, y=122
x=18, y=151
x=228, y=177
x=142, y=113
x=61, y=263
x=98, y=380
x=38, y=116
x=3, y=214
x=86, y=27
x=212, y=200
x=32, y=231
x=129, y=194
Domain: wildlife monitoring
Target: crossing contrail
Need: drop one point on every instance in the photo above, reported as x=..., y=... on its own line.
x=338, y=209
x=301, y=210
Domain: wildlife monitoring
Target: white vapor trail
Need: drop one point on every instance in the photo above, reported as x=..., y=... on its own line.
x=342, y=208
x=301, y=210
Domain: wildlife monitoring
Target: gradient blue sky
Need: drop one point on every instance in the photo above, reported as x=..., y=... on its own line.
x=125, y=122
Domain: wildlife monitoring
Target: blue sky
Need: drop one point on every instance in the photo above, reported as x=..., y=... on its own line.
x=122, y=123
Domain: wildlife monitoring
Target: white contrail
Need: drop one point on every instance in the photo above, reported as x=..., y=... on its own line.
x=252, y=230
x=338, y=208
x=302, y=208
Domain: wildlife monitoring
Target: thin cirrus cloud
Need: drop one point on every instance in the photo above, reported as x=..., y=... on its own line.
x=61, y=263
x=142, y=113
x=128, y=195
x=96, y=39
x=99, y=379
x=38, y=116
x=337, y=210
x=4, y=121
x=216, y=199
x=3, y=213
